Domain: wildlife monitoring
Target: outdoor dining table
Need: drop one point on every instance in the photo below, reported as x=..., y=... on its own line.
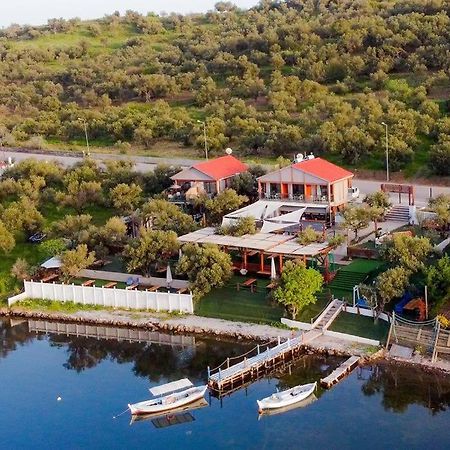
x=251, y=283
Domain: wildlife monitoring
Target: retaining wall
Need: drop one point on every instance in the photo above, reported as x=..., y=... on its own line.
x=351, y=337
x=116, y=298
x=295, y=324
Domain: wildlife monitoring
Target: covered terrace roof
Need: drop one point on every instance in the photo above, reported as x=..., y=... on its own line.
x=279, y=244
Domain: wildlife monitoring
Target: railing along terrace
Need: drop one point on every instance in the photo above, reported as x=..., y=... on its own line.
x=299, y=198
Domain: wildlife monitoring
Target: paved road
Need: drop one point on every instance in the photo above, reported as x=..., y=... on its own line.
x=422, y=192
x=146, y=163
x=142, y=163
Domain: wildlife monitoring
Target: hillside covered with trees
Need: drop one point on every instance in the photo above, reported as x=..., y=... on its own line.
x=282, y=77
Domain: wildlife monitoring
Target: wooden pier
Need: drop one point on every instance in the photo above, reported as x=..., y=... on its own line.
x=343, y=370
x=228, y=377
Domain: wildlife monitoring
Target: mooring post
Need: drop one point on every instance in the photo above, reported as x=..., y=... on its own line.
x=279, y=340
x=257, y=348
x=209, y=373
x=289, y=342
x=220, y=374
x=228, y=363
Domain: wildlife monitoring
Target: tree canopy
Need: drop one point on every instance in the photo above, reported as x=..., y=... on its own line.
x=277, y=78
x=206, y=267
x=298, y=287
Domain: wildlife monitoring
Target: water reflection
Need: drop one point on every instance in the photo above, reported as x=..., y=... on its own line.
x=397, y=386
x=171, y=358
x=402, y=386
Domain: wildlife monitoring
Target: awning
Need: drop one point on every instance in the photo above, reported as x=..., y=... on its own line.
x=52, y=263
x=171, y=387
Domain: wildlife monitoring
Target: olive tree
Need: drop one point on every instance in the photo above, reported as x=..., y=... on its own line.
x=298, y=287
x=125, y=197
x=152, y=247
x=72, y=261
x=205, y=266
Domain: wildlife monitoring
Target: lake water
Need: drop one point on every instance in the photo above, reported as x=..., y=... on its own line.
x=379, y=407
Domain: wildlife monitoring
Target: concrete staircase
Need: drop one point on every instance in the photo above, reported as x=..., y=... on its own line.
x=398, y=213
x=328, y=315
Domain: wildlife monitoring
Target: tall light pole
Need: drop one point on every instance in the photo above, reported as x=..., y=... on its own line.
x=387, y=150
x=86, y=134
x=204, y=137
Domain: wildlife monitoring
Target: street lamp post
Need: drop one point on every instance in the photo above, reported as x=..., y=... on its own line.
x=86, y=135
x=204, y=137
x=387, y=150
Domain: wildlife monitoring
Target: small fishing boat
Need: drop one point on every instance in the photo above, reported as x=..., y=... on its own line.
x=286, y=398
x=178, y=397
x=301, y=404
x=171, y=416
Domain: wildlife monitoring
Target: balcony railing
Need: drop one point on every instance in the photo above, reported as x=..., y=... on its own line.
x=298, y=198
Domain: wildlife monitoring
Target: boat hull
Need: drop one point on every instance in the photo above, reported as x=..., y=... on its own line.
x=169, y=402
x=286, y=398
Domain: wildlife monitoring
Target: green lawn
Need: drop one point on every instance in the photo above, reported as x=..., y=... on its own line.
x=360, y=326
x=363, y=266
x=313, y=310
x=52, y=213
x=30, y=252
x=230, y=304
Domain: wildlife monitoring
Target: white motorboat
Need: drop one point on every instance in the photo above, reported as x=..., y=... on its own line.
x=287, y=398
x=176, y=399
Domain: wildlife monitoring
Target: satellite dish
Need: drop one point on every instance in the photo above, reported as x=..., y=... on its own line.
x=228, y=151
x=299, y=157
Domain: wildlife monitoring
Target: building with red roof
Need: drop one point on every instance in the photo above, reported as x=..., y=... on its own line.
x=212, y=176
x=312, y=181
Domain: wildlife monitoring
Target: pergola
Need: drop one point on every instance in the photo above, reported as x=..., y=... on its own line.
x=264, y=244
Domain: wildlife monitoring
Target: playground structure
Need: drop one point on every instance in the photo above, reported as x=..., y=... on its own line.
x=427, y=337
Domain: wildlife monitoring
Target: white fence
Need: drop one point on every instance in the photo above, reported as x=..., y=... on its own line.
x=366, y=312
x=123, y=277
x=115, y=298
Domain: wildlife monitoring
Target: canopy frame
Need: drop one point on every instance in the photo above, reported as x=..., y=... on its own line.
x=170, y=387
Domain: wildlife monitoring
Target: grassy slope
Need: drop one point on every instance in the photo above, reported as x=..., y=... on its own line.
x=111, y=39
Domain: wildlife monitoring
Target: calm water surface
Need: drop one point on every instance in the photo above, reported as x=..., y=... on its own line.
x=379, y=407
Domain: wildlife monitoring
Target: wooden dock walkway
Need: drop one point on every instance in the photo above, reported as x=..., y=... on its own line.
x=227, y=376
x=343, y=370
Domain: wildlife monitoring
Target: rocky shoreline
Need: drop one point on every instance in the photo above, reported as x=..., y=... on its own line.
x=218, y=328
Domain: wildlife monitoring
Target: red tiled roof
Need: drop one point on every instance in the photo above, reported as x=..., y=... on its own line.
x=323, y=169
x=223, y=167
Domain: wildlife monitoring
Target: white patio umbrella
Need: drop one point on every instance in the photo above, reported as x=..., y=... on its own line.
x=169, y=278
x=273, y=270
x=180, y=254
